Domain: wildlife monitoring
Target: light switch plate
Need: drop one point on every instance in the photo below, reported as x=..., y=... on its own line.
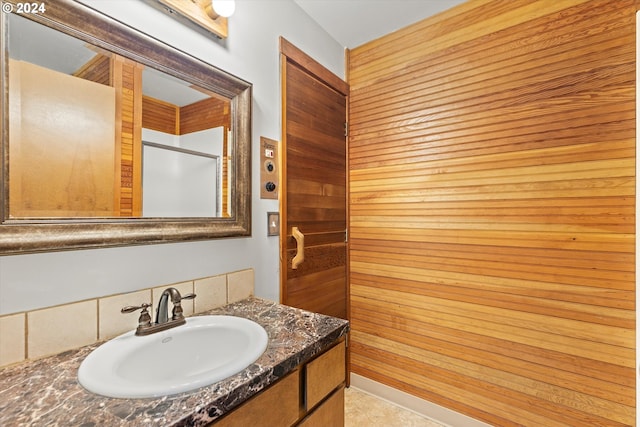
x=273, y=223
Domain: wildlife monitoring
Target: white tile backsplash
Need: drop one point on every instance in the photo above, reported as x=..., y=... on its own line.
x=111, y=321
x=12, y=341
x=240, y=285
x=211, y=292
x=56, y=329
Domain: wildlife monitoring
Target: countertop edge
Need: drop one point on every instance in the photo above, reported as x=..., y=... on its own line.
x=46, y=391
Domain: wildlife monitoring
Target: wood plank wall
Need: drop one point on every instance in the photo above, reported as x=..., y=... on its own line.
x=97, y=69
x=160, y=115
x=127, y=79
x=169, y=118
x=492, y=182
x=205, y=114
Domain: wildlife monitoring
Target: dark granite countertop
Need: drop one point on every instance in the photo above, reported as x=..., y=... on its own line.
x=46, y=392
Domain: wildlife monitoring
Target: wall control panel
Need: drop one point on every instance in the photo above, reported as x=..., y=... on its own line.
x=269, y=174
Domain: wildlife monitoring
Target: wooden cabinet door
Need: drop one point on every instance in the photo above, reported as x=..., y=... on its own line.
x=324, y=374
x=330, y=413
x=313, y=196
x=277, y=406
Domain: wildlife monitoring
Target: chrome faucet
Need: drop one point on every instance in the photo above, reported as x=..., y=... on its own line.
x=162, y=323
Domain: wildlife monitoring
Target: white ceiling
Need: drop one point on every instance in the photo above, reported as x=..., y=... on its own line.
x=355, y=22
x=60, y=52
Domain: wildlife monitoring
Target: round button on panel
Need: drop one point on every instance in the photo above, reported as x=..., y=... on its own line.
x=269, y=166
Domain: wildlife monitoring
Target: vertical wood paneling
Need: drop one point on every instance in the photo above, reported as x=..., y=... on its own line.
x=127, y=80
x=492, y=211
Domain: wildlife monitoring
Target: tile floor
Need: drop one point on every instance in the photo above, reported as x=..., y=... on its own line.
x=365, y=410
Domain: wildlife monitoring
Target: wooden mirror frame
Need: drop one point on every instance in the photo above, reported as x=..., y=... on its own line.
x=82, y=22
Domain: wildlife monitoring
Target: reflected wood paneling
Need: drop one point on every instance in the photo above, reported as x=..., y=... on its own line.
x=98, y=70
x=169, y=118
x=492, y=211
x=161, y=116
x=127, y=80
x=206, y=114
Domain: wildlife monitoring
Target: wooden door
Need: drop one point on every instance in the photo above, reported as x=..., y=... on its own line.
x=314, y=174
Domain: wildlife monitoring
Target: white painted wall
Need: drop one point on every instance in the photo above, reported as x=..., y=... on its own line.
x=251, y=53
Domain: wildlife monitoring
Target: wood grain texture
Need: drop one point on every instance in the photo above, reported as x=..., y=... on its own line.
x=127, y=81
x=314, y=177
x=97, y=69
x=180, y=120
x=492, y=211
x=331, y=413
x=324, y=374
x=160, y=115
x=277, y=406
x=206, y=114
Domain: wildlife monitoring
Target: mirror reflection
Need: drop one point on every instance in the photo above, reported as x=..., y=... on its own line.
x=95, y=134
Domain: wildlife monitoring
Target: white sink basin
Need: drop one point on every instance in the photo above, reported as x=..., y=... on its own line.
x=205, y=350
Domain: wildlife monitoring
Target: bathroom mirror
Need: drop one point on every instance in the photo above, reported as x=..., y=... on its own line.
x=111, y=137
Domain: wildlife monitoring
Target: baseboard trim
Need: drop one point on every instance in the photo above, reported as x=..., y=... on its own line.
x=425, y=408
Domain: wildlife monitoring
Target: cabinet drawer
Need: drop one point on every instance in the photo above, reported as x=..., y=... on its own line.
x=330, y=413
x=324, y=374
x=277, y=406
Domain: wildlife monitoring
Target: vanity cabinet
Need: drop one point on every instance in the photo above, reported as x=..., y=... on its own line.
x=310, y=396
x=301, y=378
x=277, y=406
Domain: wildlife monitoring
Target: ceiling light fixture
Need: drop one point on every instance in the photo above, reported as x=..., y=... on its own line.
x=224, y=8
x=210, y=15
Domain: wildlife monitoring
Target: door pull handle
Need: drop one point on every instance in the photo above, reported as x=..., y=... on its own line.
x=297, y=260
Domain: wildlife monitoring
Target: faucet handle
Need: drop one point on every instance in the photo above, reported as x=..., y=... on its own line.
x=131, y=308
x=144, y=321
x=177, y=307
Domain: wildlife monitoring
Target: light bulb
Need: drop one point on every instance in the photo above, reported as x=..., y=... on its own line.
x=224, y=8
